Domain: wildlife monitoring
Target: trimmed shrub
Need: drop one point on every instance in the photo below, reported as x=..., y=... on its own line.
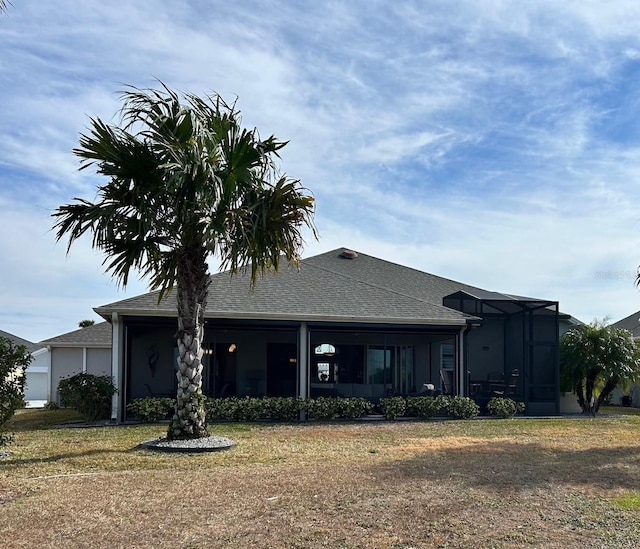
x=425, y=407
x=504, y=407
x=327, y=408
x=152, y=409
x=323, y=408
x=393, y=407
x=282, y=408
x=353, y=407
x=462, y=407
x=88, y=394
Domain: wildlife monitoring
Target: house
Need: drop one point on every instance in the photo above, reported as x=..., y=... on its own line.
x=37, y=374
x=83, y=350
x=628, y=395
x=345, y=324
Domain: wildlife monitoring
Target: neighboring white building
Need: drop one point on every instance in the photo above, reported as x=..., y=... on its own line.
x=85, y=350
x=36, y=391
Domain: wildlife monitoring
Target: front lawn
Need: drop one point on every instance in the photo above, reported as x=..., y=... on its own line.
x=477, y=484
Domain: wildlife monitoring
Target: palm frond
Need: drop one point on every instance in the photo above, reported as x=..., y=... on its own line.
x=184, y=179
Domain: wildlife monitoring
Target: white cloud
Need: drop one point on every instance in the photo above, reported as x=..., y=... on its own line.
x=489, y=143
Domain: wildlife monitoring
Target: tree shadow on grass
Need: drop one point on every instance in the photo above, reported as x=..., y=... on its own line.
x=17, y=461
x=501, y=465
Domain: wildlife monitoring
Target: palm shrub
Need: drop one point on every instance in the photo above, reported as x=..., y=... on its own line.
x=88, y=394
x=594, y=359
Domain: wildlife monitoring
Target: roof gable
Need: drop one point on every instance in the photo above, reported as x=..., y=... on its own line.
x=30, y=346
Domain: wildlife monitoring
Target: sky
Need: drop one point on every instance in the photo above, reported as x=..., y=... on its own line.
x=496, y=143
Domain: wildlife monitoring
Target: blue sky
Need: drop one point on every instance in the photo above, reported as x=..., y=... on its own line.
x=495, y=142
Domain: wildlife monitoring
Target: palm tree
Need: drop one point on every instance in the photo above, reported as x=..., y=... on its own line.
x=186, y=181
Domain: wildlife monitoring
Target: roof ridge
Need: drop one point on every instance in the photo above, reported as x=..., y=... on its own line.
x=407, y=267
x=385, y=288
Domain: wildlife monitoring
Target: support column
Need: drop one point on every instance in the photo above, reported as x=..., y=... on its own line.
x=462, y=375
x=52, y=395
x=116, y=366
x=303, y=362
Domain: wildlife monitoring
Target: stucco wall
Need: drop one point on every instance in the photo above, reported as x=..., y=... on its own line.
x=99, y=362
x=65, y=362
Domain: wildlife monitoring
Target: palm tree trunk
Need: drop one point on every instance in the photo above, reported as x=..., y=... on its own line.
x=580, y=394
x=609, y=386
x=192, y=284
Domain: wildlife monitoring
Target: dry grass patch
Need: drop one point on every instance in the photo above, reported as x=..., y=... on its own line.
x=485, y=483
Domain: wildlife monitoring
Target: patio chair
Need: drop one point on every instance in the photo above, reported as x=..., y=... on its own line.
x=447, y=382
x=496, y=383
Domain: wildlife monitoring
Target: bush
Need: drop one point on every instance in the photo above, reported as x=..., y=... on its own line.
x=152, y=409
x=425, y=407
x=327, y=408
x=282, y=408
x=51, y=405
x=353, y=407
x=323, y=408
x=88, y=394
x=504, y=407
x=14, y=360
x=462, y=407
x=393, y=407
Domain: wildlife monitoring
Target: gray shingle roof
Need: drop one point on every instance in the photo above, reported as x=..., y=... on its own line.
x=20, y=341
x=98, y=335
x=631, y=323
x=326, y=287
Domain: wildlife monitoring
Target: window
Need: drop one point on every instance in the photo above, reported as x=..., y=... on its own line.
x=447, y=356
x=392, y=364
x=324, y=371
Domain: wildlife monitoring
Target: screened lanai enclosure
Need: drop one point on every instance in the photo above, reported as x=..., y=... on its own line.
x=290, y=359
x=514, y=353
x=508, y=346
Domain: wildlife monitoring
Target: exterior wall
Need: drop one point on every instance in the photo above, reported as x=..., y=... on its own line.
x=65, y=362
x=37, y=380
x=99, y=362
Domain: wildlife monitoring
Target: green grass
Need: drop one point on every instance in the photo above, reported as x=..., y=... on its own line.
x=481, y=483
x=625, y=410
x=628, y=501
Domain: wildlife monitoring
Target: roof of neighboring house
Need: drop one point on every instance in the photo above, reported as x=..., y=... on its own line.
x=631, y=323
x=97, y=335
x=20, y=341
x=339, y=286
